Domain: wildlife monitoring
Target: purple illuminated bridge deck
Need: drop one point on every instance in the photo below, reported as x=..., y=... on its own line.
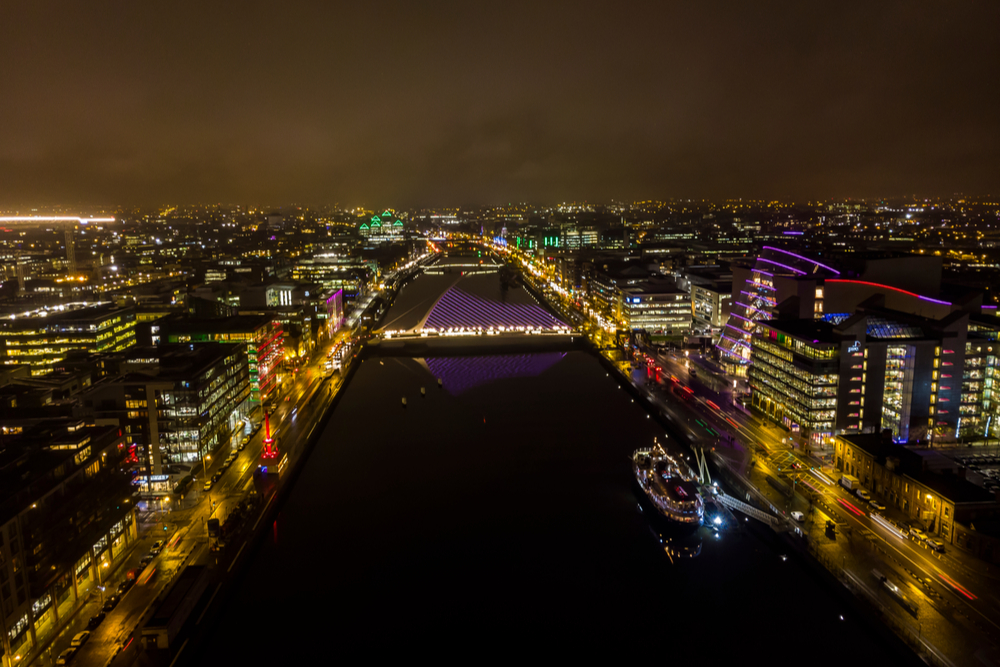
x=459, y=309
x=456, y=301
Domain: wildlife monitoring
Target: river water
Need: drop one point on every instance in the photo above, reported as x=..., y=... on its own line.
x=496, y=515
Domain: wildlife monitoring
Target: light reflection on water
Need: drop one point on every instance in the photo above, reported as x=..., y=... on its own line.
x=502, y=516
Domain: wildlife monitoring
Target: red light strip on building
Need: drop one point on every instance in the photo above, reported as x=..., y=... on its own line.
x=881, y=286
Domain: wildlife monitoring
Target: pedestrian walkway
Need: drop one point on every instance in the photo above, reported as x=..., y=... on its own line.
x=749, y=510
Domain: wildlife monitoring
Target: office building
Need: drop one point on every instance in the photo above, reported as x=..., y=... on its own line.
x=42, y=342
x=263, y=335
x=658, y=308
x=176, y=404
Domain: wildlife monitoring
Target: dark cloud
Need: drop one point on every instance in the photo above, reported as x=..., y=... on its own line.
x=458, y=102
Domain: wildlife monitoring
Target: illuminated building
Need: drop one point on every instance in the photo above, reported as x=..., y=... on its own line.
x=656, y=309
x=710, y=304
x=382, y=228
x=176, y=404
x=605, y=285
x=262, y=334
x=66, y=519
x=944, y=504
x=334, y=311
x=42, y=341
x=920, y=378
x=785, y=293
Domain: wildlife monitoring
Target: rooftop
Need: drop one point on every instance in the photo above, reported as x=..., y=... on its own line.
x=218, y=325
x=810, y=331
x=77, y=316
x=919, y=465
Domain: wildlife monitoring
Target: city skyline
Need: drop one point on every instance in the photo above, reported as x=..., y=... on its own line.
x=468, y=105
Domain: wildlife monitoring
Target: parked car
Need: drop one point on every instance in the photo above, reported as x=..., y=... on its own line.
x=864, y=495
x=147, y=559
x=917, y=533
x=208, y=485
x=111, y=602
x=936, y=545
x=876, y=505
x=66, y=656
x=96, y=619
x=157, y=546
x=242, y=446
x=216, y=477
x=80, y=638
x=125, y=586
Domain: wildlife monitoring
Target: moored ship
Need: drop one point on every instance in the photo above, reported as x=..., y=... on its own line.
x=672, y=493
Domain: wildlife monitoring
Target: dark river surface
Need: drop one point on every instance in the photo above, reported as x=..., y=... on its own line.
x=497, y=516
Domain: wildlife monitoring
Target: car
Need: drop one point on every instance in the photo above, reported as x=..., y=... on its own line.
x=917, y=533
x=245, y=440
x=157, y=546
x=96, y=619
x=241, y=447
x=66, y=656
x=216, y=477
x=864, y=495
x=935, y=545
x=208, y=486
x=125, y=586
x=798, y=516
x=111, y=602
x=876, y=505
x=80, y=638
x=231, y=457
x=147, y=559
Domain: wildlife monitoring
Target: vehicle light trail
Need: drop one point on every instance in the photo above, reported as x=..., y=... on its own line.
x=850, y=507
x=877, y=518
x=821, y=477
x=958, y=587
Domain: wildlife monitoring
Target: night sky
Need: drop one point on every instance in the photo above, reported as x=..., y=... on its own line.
x=452, y=103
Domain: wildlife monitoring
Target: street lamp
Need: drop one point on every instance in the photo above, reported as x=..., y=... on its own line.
x=100, y=580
